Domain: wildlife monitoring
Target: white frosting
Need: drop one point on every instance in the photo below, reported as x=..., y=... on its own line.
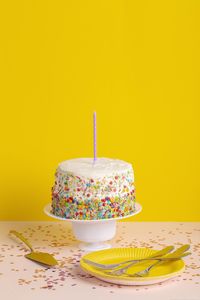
x=101, y=167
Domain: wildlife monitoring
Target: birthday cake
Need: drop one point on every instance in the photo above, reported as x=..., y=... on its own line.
x=85, y=189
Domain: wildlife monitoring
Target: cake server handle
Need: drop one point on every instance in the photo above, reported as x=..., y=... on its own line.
x=22, y=238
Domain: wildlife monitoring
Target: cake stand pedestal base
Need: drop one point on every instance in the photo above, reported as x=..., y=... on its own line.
x=93, y=233
x=94, y=246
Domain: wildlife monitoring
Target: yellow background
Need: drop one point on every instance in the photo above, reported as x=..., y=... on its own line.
x=136, y=63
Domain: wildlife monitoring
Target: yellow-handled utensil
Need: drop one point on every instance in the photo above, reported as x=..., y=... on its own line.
x=155, y=258
x=132, y=261
x=40, y=257
x=177, y=254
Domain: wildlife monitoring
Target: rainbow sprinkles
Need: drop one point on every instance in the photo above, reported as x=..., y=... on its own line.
x=85, y=190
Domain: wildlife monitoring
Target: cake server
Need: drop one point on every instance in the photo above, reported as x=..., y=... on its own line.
x=134, y=261
x=40, y=257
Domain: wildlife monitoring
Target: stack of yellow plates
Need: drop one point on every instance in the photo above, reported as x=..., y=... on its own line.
x=162, y=272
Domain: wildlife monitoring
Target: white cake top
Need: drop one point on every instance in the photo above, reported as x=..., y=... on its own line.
x=86, y=167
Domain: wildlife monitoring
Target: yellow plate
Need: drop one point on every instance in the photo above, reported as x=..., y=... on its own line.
x=166, y=270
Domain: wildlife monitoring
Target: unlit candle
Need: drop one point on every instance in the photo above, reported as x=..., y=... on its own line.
x=95, y=135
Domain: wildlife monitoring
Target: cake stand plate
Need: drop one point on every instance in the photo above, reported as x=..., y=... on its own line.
x=93, y=233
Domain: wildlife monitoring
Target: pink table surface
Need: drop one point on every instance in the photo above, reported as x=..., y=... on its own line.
x=23, y=279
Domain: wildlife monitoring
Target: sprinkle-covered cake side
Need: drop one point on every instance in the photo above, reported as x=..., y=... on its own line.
x=98, y=197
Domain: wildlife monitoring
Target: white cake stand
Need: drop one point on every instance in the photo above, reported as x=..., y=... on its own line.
x=93, y=233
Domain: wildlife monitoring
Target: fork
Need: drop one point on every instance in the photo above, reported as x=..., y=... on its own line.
x=176, y=254
x=158, y=260
x=134, y=261
x=146, y=271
